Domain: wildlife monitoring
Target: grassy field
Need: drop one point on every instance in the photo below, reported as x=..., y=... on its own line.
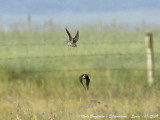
x=39, y=75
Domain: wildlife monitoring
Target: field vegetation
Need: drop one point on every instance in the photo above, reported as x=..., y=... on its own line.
x=39, y=74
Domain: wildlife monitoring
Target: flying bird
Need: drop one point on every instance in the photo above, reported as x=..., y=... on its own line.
x=72, y=41
x=82, y=77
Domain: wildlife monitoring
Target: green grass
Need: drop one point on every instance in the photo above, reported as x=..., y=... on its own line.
x=39, y=74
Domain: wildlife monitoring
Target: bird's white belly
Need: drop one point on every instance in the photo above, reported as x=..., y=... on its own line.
x=69, y=43
x=83, y=77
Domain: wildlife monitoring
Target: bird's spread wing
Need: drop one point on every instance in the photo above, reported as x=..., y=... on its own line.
x=76, y=37
x=81, y=80
x=70, y=37
x=87, y=82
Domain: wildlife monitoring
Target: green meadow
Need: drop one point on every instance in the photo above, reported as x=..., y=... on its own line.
x=39, y=75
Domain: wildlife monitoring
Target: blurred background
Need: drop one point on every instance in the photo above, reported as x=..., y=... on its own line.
x=73, y=13
x=39, y=73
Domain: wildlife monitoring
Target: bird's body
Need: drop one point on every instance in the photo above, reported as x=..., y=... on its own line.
x=72, y=41
x=82, y=77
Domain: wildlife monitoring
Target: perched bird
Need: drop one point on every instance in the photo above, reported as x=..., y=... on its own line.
x=82, y=77
x=72, y=41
